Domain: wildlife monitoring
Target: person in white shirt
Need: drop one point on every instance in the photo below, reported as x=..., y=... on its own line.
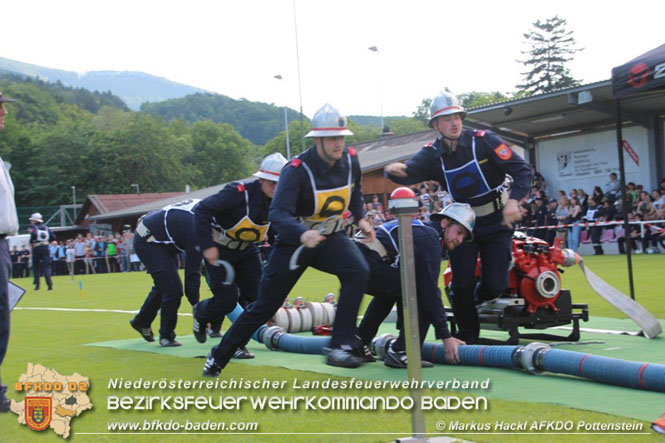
x=8, y=226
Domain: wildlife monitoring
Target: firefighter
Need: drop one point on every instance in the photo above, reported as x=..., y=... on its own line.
x=315, y=189
x=473, y=166
x=450, y=226
x=160, y=237
x=229, y=224
x=40, y=239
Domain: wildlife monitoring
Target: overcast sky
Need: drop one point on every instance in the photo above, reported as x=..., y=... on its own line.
x=236, y=47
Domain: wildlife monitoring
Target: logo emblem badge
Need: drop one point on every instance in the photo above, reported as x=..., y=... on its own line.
x=38, y=412
x=503, y=151
x=638, y=75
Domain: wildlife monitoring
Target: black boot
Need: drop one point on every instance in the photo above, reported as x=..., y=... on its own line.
x=4, y=401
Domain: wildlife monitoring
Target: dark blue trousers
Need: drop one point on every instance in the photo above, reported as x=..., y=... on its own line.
x=41, y=264
x=493, y=242
x=247, y=267
x=385, y=286
x=336, y=255
x=161, y=263
x=5, y=269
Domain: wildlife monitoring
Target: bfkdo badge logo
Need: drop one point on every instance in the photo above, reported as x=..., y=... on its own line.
x=38, y=412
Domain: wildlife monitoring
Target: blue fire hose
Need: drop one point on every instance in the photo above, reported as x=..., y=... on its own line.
x=535, y=358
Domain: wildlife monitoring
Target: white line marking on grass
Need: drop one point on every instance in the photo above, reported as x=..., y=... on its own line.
x=119, y=311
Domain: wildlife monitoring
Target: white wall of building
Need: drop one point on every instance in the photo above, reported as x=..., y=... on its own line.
x=586, y=160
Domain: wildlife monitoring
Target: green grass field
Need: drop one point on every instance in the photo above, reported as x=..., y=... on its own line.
x=55, y=339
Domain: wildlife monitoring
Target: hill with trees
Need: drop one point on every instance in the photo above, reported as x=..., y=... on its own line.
x=53, y=142
x=133, y=88
x=257, y=122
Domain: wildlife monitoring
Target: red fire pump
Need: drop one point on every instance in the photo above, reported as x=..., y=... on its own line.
x=534, y=298
x=534, y=274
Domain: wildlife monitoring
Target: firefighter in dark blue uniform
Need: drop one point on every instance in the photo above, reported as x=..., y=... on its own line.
x=451, y=226
x=473, y=167
x=317, y=186
x=160, y=237
x=229, y=224
x=40, y=239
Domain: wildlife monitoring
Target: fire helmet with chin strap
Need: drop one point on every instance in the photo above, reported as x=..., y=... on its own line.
x=271, y=167
x=445, y=104
x=328, y=122
x=460, y=213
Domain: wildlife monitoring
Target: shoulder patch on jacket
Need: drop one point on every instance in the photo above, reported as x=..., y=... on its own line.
x=480, y=133
x=503, y=152
x=352, y=151
x=296, y=162
x=428, y=145
x=240, y=188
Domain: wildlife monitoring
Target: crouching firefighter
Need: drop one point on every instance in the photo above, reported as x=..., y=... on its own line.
x=159, y=238
x=229, y=225
x=315, y=189
x=475, y=167
x=451, y=227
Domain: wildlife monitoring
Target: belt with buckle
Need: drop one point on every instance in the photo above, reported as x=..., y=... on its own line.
x=229, y=243
x=491, y=207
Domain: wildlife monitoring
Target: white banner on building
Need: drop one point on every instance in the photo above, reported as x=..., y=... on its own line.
x=588, y=162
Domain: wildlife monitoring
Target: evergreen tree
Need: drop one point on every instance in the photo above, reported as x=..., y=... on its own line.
x=551, y=48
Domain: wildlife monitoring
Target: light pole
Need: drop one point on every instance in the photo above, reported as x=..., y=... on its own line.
x=375, y=49
x=286, y=126
x=74, y=201
x=138, y=188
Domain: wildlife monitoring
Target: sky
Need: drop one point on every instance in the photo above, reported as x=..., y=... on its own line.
x=236, y=47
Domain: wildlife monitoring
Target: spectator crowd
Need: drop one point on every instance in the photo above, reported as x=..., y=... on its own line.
x=94, y=254
x=89, y=254
x=602, y=204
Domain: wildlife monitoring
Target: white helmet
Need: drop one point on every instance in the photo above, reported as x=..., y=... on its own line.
x=271, y=166
x=459, y=212
x=36, y=217
x=328, y=122
x=445, y=104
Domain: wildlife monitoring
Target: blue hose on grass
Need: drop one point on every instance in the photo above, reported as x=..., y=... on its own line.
x=535, y=358
x=538, y=358
x=236, y=313
x=474, y=355
x=632, y=374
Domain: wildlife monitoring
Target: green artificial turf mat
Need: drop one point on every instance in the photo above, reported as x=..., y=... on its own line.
x=505, y=384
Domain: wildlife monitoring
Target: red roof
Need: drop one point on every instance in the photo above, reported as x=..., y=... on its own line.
x=103, y=203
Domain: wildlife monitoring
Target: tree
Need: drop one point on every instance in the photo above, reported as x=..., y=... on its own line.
x=401, y=126
x=219, y=153
x=422, y=112
x=551, y=48
x=278, y=143
x=141, y=152
x=475, y=99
